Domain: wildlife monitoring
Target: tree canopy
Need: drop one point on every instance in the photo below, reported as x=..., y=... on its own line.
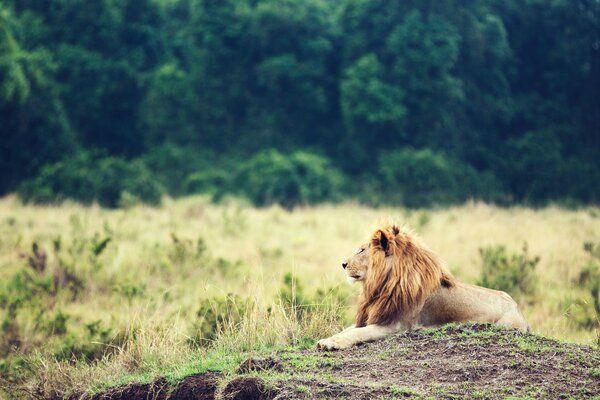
x=421, y=101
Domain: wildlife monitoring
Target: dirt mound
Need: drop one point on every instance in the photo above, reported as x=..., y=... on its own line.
x=197, y=387
x=467, y=361
x=157, y=390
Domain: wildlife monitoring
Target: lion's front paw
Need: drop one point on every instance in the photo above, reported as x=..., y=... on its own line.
x=326, y=344
x=333, y=343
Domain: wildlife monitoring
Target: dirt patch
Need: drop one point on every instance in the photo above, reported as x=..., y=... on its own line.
x=248, y=388
x=456, y=362
x=197, y=387
x=467, y=361
x=158, y=390
x=257, y=364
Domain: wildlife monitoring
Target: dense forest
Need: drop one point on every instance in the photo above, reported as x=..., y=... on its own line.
x=414, y=102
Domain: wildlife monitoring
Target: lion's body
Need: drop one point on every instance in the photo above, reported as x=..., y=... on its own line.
x=462, y=303
x=406, y=286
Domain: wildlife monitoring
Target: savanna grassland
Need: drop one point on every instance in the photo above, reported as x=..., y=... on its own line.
x=92, y=298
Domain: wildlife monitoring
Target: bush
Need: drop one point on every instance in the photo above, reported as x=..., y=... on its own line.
x=588, y=314
x=300, y=306
x=290, y=180
x=86, y=178
x=510, y=272
x=209, y=181
x=580, y=181
x=422, y=178
x=531, y=166
x=215, y=315
x=172, y=165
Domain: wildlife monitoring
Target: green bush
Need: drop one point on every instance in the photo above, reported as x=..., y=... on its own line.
x=587, y=315
x=110, y=181
x=173, y=166
x=208, y=181
x=300, y=306
x=513, y=273
x=531, y=166
x=422, y=178
x=91, y=343
x=580, y=181
x=216, y=314
x=298, y=178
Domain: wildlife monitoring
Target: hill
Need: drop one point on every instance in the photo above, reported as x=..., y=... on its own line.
x=456, y=361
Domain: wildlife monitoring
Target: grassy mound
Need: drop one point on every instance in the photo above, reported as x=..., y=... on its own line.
x=456, y=361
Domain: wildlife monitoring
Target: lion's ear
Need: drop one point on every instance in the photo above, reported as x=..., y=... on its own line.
x=384, y=242
x=380, y=240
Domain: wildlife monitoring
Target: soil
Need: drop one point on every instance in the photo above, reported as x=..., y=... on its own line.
x=467, y=361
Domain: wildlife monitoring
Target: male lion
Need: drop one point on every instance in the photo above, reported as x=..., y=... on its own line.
x=406, y=287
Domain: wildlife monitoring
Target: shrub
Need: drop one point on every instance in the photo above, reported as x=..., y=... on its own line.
x=184, y=250
x=87, y=178
x=209, y=181
x=299, y=178
x=580, y=180
x=588, y=314
x=293, y=298
x=214, y=315
x=531, y=166
x=173, y=166
x=300, y=306
x=422, y=178
x=513, y=273
x=92, y=343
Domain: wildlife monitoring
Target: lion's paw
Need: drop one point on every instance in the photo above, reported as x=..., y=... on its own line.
x=332, y=343
x=326, y=344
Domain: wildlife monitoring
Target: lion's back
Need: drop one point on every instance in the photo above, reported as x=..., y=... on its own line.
x=463, y=303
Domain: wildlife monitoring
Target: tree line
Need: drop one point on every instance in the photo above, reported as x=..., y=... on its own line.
x=415, y=102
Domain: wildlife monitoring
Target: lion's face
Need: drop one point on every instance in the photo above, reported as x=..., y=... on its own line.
x=356, y=266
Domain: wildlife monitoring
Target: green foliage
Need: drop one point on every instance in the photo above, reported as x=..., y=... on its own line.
x=290, y=180
x=533, y=165
x=422, y=178
x=513, y=273
x=58, y=324
x=366, y=97
x=195, y=89
x=174, y=166
x=587, y=314
x=184, y=250
x=92, y=343
x=85, y=178
x=301, y=306
x=209, y=181
x=216, y=314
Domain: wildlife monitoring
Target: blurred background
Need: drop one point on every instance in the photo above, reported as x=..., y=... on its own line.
x=416, y=103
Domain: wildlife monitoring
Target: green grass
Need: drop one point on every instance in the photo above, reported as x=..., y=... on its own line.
x=302, y=389
x=400, y=391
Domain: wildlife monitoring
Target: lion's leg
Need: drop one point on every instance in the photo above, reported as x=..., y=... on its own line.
x=514, y=320
x=352, y=336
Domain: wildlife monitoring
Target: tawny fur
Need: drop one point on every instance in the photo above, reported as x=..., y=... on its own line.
x=406, y=286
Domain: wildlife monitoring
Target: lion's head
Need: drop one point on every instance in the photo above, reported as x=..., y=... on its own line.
x=397, y=272
x=357, y=265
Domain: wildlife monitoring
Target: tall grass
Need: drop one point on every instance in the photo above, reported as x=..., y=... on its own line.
x=191, y=286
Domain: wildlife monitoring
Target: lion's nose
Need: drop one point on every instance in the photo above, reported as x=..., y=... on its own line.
x=344, y=265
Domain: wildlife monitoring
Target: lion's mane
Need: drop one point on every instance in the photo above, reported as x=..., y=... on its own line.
x=402, y=274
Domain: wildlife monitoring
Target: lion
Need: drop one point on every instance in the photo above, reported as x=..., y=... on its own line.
x=405, y=286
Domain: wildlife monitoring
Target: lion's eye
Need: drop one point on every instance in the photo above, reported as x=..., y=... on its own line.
x=360, y=251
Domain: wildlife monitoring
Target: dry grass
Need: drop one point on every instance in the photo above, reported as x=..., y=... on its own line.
x=162, y=263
